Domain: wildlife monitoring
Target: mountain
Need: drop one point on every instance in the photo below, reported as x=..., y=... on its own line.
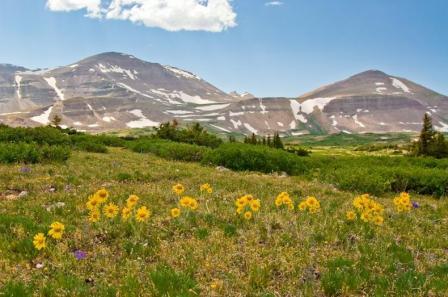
x=112, y=91
x=373, y=101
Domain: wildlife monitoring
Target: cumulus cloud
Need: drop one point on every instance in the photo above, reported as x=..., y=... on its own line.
x=171, y=15
x=92, y=6
x=274, y=3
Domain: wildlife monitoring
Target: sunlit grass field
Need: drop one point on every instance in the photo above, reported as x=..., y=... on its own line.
x=211, y=250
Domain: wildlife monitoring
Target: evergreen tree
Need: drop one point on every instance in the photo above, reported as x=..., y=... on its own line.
x=253, y=139
x=56, y=121
x=232, y=138
x=269, y=141
x=277, y=143
x=426, y=136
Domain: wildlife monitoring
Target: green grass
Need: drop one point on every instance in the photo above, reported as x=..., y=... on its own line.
x=278, y=253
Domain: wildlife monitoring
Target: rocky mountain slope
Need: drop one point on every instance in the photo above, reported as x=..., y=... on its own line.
x=113, y=91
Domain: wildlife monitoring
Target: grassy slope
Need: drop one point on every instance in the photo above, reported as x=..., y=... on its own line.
x=280, y=252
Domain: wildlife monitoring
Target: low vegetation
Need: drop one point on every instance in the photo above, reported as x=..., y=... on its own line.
x=181, y=229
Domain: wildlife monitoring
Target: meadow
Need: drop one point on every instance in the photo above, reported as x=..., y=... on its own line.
x=144, y=218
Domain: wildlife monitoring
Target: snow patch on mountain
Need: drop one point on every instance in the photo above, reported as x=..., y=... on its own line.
x=250, y=128
x=142, y=122
x=130, y=89
x=181, y=73
x=44, y=118
x=117, y=69
x=236, y=124
x=400, y=85
x=51, y=81
x=18, y=80
x=357, y=122
x=212, y=107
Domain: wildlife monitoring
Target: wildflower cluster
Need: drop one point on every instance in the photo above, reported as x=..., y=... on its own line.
x=111, y=210
x=310, y=204
x=56, y=231
x=188, y=202
x=283, y=199
x=206, y=188
x=246, y=205
x=403, y=203
x=368, y=209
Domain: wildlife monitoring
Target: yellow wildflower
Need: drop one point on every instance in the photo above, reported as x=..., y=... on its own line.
x=56, y=231
x=206, y=188
x=248, y=215
x=175, y=212
x=94, y=215
x=143, y=214
x=351, y=215
x=93, y=202
x=255, y=205
x=126, y=213
x=132, y=201
x=178, y=189
x=378, y=220
x=111, y=210
x=39, y=241
x=102, y=195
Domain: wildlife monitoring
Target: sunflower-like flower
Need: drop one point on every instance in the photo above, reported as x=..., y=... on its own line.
x=125, y=213
x=143, y=214
x=39, y=241
x=132, y=201
x=248, y=215
x=94, y=215
x=111, y=210
x=175, y=212
x=56, y=230
x=103, y=195
x=178, y=189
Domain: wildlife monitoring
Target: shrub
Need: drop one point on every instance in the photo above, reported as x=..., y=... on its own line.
x=40, y=135
x=241, y=157
x=91, y=146
x=192, y=134
x=32, y=153
x=170, y=150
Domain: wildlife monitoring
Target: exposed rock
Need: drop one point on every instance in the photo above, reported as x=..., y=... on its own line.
x=55, y=206
x=222, y=168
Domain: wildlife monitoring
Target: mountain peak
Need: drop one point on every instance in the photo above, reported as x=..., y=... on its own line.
x=371, y=73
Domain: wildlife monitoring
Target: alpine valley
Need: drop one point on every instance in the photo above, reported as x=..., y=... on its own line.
x=114, y=91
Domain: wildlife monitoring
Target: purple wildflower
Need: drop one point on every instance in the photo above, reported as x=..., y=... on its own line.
x=25, y=169
x=415, y=204
x=80, y=255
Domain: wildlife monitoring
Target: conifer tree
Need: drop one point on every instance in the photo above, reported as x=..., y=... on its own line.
x=426, y=135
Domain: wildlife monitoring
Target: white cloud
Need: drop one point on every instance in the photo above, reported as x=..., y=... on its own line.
x=274, y=3
x=92, y=6
x=171, y=15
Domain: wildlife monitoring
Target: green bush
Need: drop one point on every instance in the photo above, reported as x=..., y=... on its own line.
x=32, y=153
x=170, y=150
x=192, y=134
x=242, y=157
x=91, y=146
x=40, y=135
x=378, y=175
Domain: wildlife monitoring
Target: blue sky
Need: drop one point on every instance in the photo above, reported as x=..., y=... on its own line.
x=269, y=50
